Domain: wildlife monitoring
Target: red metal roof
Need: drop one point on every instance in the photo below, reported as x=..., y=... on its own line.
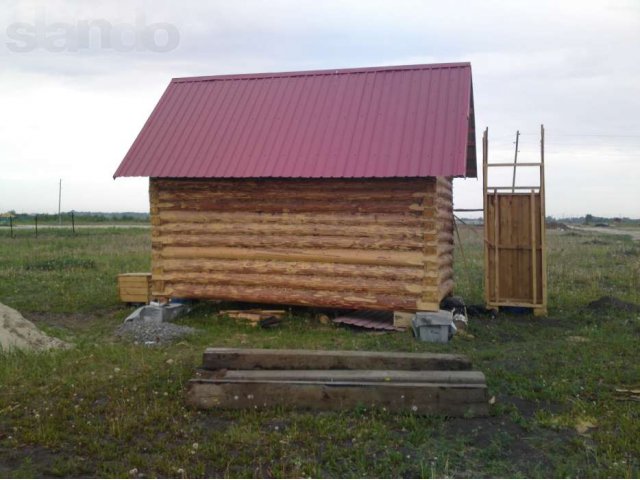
x=402, y=121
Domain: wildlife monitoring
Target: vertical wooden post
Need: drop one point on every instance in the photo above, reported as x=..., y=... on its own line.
x=157, y=270
x=534, y=247
x=515, y=162
x=11, y=225
x=36, y=226
x=73, y=223
x=485, y=159
x=60, y=203
x=543, y=228
x=496, y=243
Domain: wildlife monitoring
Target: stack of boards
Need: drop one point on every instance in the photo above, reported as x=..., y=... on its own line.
x=422, y=383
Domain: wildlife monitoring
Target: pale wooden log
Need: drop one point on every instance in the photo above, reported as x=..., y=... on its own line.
x=428, y=236
x=216, y=358
x=308, y=282
x=429, y=303
x=274, y=267
x=407, y=219
x=294, y=242
x=434, y=262
x=342, y=205
x=289, y=296
x=416, y=398
x=446, y=288
x=285, y=195
x=220, y=227
x=445, y=248
x=389, y=258
x=444, y=236
x=437, y=251
x=156, y=268
x=334, y=185
x=444, y=273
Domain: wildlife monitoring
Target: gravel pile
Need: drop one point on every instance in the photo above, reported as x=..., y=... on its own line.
x=150, y=332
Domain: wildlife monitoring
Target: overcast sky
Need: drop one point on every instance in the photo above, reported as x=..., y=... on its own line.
x=71, y=105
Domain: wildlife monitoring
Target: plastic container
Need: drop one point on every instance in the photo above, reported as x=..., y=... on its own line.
x=436, y=327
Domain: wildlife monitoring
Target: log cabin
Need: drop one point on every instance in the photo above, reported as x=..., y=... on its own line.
x=328, y=188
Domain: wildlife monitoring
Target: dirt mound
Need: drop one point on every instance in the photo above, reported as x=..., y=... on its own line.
x=613, y=303
x=557, y=226
x=16, y=332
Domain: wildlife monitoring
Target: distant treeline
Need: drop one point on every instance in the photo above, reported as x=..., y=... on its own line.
x=585, y=220
x=589, y=219
x=79, y=217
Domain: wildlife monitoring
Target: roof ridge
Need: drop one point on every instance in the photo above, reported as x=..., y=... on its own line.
x=330, y=71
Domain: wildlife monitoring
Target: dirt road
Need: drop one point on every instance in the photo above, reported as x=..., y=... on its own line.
x=633, y=233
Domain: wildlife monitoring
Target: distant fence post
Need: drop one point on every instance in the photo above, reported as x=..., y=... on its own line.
x=11, y=225
x=73, y=223
x=36, y=226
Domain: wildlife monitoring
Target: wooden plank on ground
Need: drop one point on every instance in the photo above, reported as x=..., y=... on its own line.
x=247, y=359
x=419, y=398
x=468, y=377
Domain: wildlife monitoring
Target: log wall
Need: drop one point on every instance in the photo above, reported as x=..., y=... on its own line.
x=384, y=244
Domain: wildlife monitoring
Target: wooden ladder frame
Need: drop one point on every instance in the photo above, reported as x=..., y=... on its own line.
x=538, y=276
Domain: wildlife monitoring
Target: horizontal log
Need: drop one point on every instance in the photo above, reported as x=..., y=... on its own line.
x=445, y=195
x=407, y=219
x=446, y=288
x=288, y=241
x=444, y=236
x=390, y=258
x=434, y=250
x=308, y=282
x=292, y=206
x=289, y=359
x=274, y=228
x=269, y=267
x=445, y=253
x=437, y=203
x=287, y=194
x=417, y=398
x=290, y=296
x=445, y=273
x=336, y=185
x=468, y=377
x=429, y=303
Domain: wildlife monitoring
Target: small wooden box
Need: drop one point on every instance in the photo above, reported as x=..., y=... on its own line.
x=134, y=287
x=402, y=319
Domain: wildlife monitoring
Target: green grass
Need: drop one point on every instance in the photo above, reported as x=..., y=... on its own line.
x=106, y=407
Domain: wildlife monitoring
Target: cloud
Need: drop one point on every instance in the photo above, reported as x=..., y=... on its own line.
x=571, y=65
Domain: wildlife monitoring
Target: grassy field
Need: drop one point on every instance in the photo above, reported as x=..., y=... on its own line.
x=110, y=408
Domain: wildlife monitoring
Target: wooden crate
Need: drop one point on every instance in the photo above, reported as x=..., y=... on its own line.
x=134, y=287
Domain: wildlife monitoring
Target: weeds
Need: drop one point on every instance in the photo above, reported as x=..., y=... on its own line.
x=61, y=264
x=109, y=408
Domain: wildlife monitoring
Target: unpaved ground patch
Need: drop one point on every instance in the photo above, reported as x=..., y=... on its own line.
x=633, y=233
x=16, y=332
x=612, y=303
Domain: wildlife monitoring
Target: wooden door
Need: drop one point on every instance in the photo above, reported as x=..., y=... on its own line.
x=514, y=248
